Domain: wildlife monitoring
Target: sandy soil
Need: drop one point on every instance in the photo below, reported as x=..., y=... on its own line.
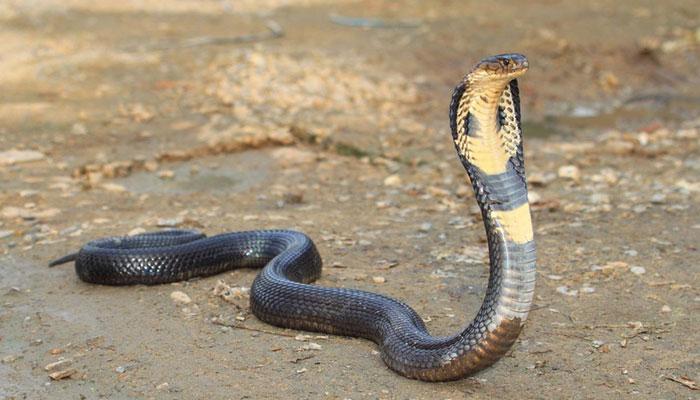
x=220, y=115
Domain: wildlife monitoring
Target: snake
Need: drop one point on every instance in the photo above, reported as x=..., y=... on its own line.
x=485, y=123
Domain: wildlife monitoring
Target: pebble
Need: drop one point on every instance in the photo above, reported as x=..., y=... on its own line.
x=311, y=346
x=180, y=297
x=534, y=197
x=665, y=309
x=599, y=198
x=14, y=156
x=166, y=174
x=163, y=386
x=136, y=231
x=425, y=227
x=63, y=374
x=637, y=270
x=113, y=187
x=570, y=172
x=78, y=129
x=658, y=198
x=541, y=179
x=378, y=279
x=392, y=181
x=170, y=222
x=566, y=291
x=4, y=234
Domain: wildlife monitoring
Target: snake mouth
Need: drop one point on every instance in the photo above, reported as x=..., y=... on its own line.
x=507, y=66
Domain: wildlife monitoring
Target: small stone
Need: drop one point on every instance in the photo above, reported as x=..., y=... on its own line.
x=425, y=227
x=64, y=374
x=665, y=309
x=541, y=179
x=163, y=386
x=136, y=231
x=311, y=346
x=570, y=172
x=639, y=208
x=113, y=187
x=378, y=279
x=120, y=369
x=599, y=198
x=534, y=197
x=588, y=289
x=19, y=156
x=392, y=181
x=658, y=198
x=78, y=129
x=170, y=222
x=597, y=343
x=566, y=291
x=637, y=270
x=4, y=234
x=166, y=174
x=180, y=297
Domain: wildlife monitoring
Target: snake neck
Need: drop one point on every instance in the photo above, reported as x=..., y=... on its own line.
x=485, y=122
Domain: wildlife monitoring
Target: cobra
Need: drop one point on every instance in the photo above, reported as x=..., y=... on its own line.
x=486, y=130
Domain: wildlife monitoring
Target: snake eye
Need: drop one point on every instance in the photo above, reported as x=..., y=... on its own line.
x=505, y=62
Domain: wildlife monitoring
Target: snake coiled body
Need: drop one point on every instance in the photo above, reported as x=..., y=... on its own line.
x=485, y=125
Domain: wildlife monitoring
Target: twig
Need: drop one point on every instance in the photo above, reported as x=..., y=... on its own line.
x=374, y=23
x=274, y=31
x=685, y=381
x=219, y=321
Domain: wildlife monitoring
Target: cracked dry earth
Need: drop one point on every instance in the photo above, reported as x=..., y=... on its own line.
x=115, y=121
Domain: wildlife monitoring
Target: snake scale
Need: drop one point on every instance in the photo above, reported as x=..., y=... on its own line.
x=486, y=129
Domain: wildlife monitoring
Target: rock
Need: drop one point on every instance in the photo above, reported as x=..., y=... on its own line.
x=541, y=179
x=637, y=270
x=665, y=309
x=166, y=174
x=170, y=222
x=378, y=279
x=136, y=231
x=570, y=172
x=566, y=291
x=4, y=234
x=63, y=374
x=19, y=156
x=311, y=346
x=78, y=129
x=392, y=181
x=113, y=187
x=533, y=197
x=180, y=297
x=658, y=198
x=163, y=386
x=425, y=227
x=290, y=156
x=599, y=198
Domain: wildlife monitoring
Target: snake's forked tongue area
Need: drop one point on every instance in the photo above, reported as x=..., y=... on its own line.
x=65, y=259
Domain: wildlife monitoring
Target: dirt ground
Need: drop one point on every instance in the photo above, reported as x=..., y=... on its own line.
x=330, y=117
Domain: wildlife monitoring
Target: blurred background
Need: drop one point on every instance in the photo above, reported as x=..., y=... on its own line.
x=331, y=117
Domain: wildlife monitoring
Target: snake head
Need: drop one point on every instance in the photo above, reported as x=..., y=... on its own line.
x=501, y=68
